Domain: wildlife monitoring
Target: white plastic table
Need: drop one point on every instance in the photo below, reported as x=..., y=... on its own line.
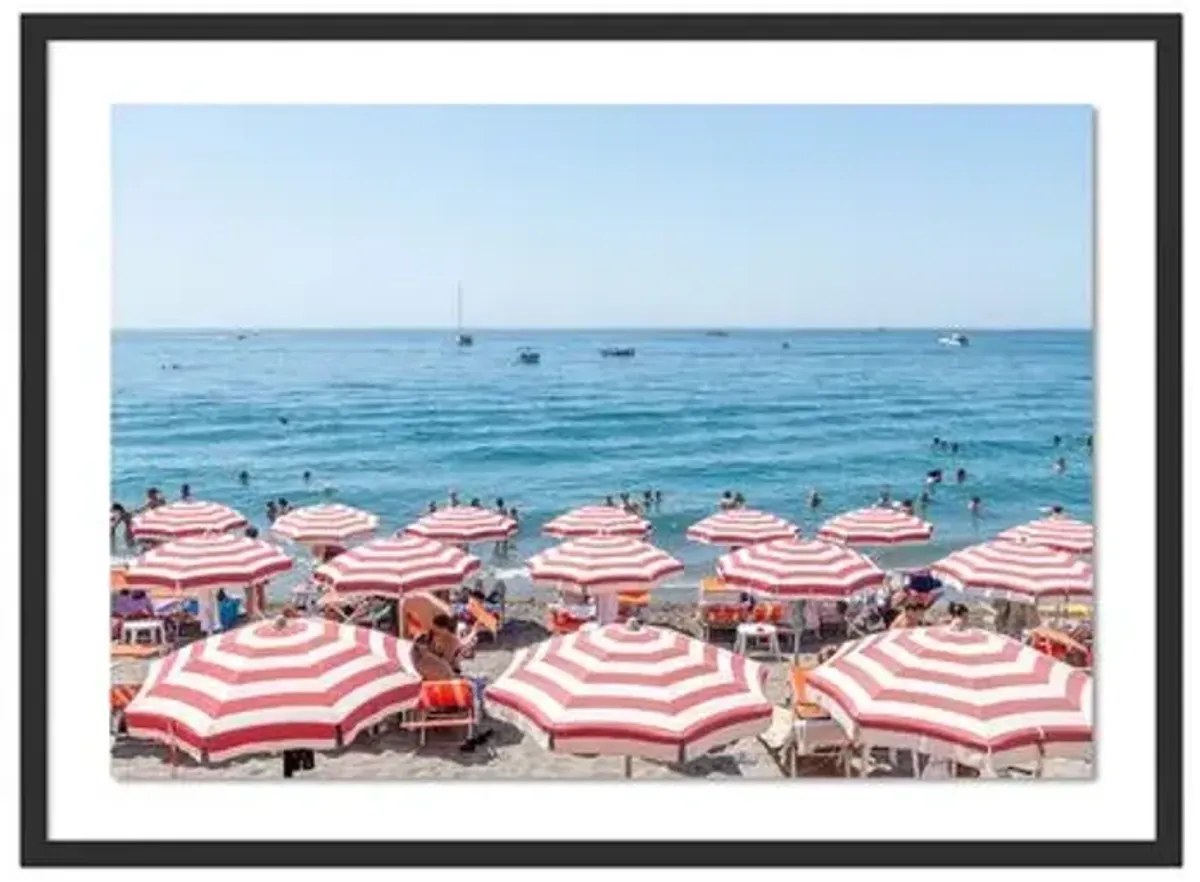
x=755, y=634
x=133, y=630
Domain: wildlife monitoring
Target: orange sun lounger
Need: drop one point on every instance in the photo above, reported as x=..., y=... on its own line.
x=443, y=704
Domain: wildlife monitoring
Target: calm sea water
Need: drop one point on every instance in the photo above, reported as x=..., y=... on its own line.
x=390, y=420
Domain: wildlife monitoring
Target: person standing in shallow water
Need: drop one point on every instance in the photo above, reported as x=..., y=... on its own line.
x=185, y=493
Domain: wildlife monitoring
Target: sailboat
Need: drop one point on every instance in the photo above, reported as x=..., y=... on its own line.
x=462, y=339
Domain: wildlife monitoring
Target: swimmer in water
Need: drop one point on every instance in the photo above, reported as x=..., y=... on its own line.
x=453, y=498
x=153, y=499
x=975, y=506
x=1089, y=442
x=648, y=498
x=307, y=476
x=739, y=501
x=657, y=498
x=243, y=477
x=885, y=498
x=954, y=447
x=1060, y=465
x=608, y=500
x=932, y=477
x=937, y=443
x=432, y=506
x=272, y=511
x=960, y=476
x=512, y=513
x=907, y=506
x=283, y=421
x=814, y=500
x=1057, y=440
x=475, y=503
x=500, y=506
x=284, y=508
x=251, y=532
x=726, y=502
x=185, y=493
x=923, y=500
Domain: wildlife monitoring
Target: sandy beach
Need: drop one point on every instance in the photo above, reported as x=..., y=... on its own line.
x=508, y=754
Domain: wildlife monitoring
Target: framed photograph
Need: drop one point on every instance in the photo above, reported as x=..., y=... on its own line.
x=508, y=422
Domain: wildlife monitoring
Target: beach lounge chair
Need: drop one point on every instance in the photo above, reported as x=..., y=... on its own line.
x=630, y=604
x=484, y=620
x=721, y=617
x=443, y=704
x=560, y=620
x=827, y=739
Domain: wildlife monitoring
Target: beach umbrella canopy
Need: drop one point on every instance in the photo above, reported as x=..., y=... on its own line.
x=978, y=698
x=274, y=685
x=597, y=520
x=603, y=564
x=631, y=690
x=1017, y=571
x=394, y=566
x=876, y=526
x=463, y=525
x=325, y=524
x=741, y=526
x=190, y=518
x=199, y=563
x=1061, y=533
x=799, y=569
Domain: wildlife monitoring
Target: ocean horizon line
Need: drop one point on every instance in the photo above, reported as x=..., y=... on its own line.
x=507, y=329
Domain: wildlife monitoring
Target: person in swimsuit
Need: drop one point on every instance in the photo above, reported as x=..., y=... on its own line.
x=960, y=476
x=1060, y=465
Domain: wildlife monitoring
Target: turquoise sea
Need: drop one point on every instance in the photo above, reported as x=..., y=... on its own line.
x=389, y=420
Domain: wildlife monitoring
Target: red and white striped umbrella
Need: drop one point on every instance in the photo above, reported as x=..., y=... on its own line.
x=191, y=518
x=799, y=569
x=623, y=690
x=876, y=526
x=208, y=562
x=597, y=520
x=1062, y=533
x=1017, y=571
x=272, y=686
x=741, y=526
x=395, y=566
x=325, y=524
x=603, y=564
x=463, y=524
x=979, y=698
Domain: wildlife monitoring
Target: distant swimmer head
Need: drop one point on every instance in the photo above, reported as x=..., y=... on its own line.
x=283, y=420
x=244, y=477
x=499, y=503
x=432, y=506
x=252, y=532
x=974, y=505
x=1057, y=440
x=907, y=506
x=1056, y=509
x=937, y=442
x=307, y=476
x=475, y=503
x=960, y=475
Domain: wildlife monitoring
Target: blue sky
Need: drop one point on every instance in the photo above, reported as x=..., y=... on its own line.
x=593, y=216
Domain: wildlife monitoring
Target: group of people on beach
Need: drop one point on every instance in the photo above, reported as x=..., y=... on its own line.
x=650, y=499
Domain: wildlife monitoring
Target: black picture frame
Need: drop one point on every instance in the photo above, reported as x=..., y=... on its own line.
x=39, y=31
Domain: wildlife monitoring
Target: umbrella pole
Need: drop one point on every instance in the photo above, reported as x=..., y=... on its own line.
x=628, y=767
x=916, y=763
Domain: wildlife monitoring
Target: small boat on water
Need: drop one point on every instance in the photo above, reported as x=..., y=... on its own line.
x=525, y=355
x=954, y=340
x=716, y=333
x=462, y=339
x=618, y=352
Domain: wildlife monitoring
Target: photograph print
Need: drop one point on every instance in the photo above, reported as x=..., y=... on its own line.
x=602, y=442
